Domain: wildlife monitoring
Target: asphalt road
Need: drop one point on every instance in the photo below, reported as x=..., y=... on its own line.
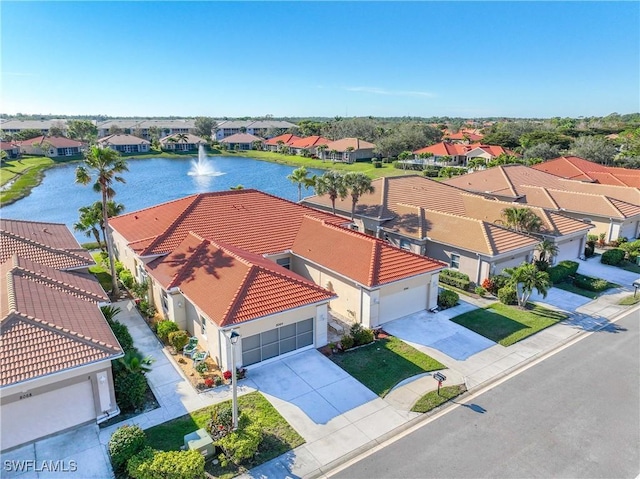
x=574, y=415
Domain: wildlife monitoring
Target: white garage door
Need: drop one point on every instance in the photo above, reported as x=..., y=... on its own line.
x=402, y=303
x=43, y=414
x=569, y=251
x=629, y=231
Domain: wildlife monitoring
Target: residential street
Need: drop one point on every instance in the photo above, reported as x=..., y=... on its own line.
x=575, y=414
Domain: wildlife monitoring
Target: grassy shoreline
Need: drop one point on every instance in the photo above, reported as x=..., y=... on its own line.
x=26, y=173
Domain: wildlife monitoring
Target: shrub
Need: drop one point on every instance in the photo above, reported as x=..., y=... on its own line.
x=119, y=267
x=221, y=422
x=227, y=374
x=130, y=388
x=562, y=270
x=500, y=281
x=134, y=465
x=202, y=368
x=541, y=264
x=126, y=278
x=240, y=445
x=592, y=239
x=140, y=290
x=169, y=465
x=178, y=339
x=489, y=285
x=447, y=299
x=377, y=164
x=121, y=332
x=455, y=278
x=217, y=380
x=110, y=312
x=347, y=342
x=147, y=309
x=208, y=382
x=612, y=257
x=480, y=291
x=125, y=442
x=508, y=295
x=165, y=328
x=590, y=284
x=361, y=335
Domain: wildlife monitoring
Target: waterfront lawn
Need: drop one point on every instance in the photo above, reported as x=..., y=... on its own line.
x=295, y=160
x=384, y=363
x=278, y=436
x=507, y=325
x=433, y=399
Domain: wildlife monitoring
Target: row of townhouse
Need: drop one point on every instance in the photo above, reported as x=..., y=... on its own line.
x=44, y=126
x=448, y=153
x=345, y=150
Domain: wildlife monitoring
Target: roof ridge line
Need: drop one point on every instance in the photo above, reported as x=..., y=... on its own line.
x=192, y=257
x=485, y=226
x=45, y=246
x=57, y=282
x=374, y=265
x=506, y=177
x=235, y=302
x=175, y=221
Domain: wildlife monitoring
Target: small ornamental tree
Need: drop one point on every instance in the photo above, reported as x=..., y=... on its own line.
x=125, y=442
x=525, y=278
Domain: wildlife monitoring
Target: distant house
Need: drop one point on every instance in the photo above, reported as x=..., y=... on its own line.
x=576, y=168
x=241, y=141
x=487, y=152
x=51, y=146
x=443, y=154
x=273, y=144
x=348, y=150
x=10, y=148
x=17, y=126
x=176, y=143
x=56, y=347
x=309, y=143
x=124, y=143
x=261, y=128
x=142, y=128
x=463, y=136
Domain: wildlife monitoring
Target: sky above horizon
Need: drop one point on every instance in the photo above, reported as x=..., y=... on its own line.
x=305, y=59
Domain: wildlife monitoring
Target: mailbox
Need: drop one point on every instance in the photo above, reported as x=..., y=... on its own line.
x=439, y=377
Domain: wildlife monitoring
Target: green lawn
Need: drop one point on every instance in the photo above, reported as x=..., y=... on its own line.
x=574, y=289
x=279, y=436
x=629, y=266
x=568, y=285
x=630, y=300
x=432, y=399
x=508, y=324
x=295, y=160
x=384, y=363
x=100, y=271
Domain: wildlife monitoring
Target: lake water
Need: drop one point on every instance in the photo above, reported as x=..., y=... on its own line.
x=149, y=182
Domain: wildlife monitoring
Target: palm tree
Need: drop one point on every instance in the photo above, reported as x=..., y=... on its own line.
x=320, y=149
x=89, y=221
x=110, y=312
x=135, y=362
x=522, y=220
x=547, y=250
x=349, y=149
x=334, y=154
x=257, y=145
x=526, y=278
x=181, y=137
x=357, y=184
x=299, y=177
x=331, y=183
x=105, y=163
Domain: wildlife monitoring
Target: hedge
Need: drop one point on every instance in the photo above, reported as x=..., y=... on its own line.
x=447, y=299
x=562, y=270
x=125, y=442
x=508, y=295
x=121, y=332
x=612, y=257
x=590, y=284
x=455, y=278
x=167, y=465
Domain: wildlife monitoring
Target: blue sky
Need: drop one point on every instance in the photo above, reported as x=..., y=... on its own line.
x=469, y=59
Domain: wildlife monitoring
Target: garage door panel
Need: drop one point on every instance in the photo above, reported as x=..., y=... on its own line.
x=629, y=231
x=402, y=303
x=47, y=413
x=275, y=342
x=568, y=251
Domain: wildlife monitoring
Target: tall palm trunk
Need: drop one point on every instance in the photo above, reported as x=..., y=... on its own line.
x=107, y=236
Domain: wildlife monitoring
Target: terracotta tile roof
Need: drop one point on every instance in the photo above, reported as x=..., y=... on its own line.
x=287, y=139
x=230, y=285
x=252, y=220
x=56, y=142
x=479, y=236
x=310, y=142
x=241, y=138
x=444, y=149
x=8, y=145
x=51, y=321
x=512, y=181
x=344, y=143
x=122, y=139
x=50, y=244
x=576, y=168
x=464, y=135
x=367, y=260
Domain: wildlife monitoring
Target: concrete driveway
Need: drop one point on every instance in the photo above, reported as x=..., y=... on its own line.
x=434, y=330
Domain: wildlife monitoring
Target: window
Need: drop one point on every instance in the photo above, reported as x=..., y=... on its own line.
x=284, y=262
x=203, y=325
x=405, y=244
x=455, y=261
x=165, y=301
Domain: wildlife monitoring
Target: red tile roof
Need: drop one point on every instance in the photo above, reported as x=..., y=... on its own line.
x=444, y=149
x=576, y=168
x=248, y=219
x=365, y=259
x=51, y=321
x=8, y=145
x=231, y=285
x=51, y=244
x=310, y=142
x=464, y=135
x=56, y=142
x=287, y=139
